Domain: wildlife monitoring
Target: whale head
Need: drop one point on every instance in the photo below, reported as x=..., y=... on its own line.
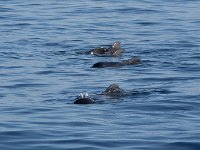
x=116, y=45
x=113, y=90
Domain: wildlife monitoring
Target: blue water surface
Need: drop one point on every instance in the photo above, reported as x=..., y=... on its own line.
x=41, y=74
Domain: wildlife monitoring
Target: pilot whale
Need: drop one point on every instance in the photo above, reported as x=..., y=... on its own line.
x=115, y=91
x=115, y=50
x=84, y=98
x=112, y=90
x=132, y=61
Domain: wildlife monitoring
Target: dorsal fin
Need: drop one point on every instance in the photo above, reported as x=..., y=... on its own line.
x=116, y=45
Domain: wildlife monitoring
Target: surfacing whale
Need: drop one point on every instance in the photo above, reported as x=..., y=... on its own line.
x=114, y=51
x=84, y=98
x=132, y=61
x=112, y=90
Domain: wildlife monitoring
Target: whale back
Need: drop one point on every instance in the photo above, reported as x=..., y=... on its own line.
x=132, y=61
x=108, y=64
x=84, y=98
x=84, y=101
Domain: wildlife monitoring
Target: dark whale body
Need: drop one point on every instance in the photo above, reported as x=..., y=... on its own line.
x=107, y=64
x=132, y=61
x=115, y=50
x=84, y=99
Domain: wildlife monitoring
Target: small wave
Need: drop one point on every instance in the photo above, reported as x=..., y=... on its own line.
x=13, y=55
x=143, y=23
x=23, y=85
x=136, y=10
x=6, y=9
x=46, y=72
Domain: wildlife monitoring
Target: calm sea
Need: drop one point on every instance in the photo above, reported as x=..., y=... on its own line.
x=41, y=74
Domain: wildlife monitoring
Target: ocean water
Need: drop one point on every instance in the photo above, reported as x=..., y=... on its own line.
x=41, y=74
